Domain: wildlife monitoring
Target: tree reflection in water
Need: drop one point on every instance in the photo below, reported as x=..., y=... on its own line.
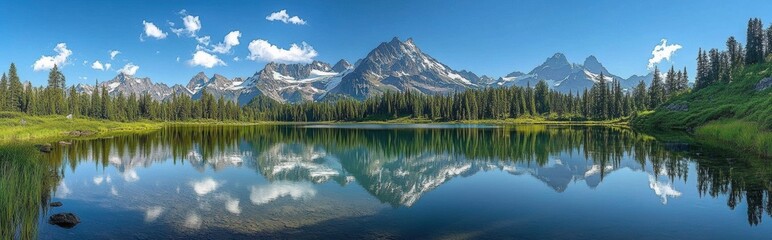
x=399, y=165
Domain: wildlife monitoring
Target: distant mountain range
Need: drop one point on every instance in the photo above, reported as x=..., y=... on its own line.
x=391, y=66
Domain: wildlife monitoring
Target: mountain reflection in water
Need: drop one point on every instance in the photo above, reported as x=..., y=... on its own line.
x=302, y=177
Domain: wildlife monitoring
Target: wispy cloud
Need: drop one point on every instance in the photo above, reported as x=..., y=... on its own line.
x=190, y=23
x=114, y=53
x=231, y=40
x=285, y=18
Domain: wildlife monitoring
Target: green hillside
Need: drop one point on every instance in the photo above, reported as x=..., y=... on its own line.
x=731, y=114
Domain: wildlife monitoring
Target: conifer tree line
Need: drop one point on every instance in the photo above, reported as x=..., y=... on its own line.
x=605, y=100
x=55, y=98
x=716, y=66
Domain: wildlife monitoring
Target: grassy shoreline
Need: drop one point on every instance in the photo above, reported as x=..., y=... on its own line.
x=736, y=135
x=55, y=128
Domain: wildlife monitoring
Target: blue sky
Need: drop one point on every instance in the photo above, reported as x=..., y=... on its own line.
x=486, y=37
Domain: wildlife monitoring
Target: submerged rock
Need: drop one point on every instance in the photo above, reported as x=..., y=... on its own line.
x=55, y=204
x=764, y=84
x=46, y=148
x=65, y=220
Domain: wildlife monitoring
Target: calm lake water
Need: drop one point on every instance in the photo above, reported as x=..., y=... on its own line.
x=407, y=182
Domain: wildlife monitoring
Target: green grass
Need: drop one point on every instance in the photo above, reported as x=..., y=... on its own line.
x=728, y=108
x=55, y=127
x=25, y=185
x=747, y=136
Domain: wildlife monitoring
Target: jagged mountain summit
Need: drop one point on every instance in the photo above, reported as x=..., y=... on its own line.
x=392, y=66
x=400, y=66
x=217, y=85
x=294, y=82
x=566, y=77
x=127, y=85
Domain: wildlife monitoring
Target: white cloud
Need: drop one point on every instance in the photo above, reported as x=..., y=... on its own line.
x=114, y=53
x=107, y=66
x=231, y=203
x=265, y=194
x=130, y=175
x=191, y=24
x=662, y=52
x=152, y=31
x=129, y=69
x=663, y=189
x=97, y=65
x=204, y=40
x=98, y=180
x=62, y=191
x=48, y=62
x=178, y=59
x=204, y=59
x=113, y=191
x=263, y=50
x=152, y=213
x=236, y=59
x=231, y=40
x=205, y=186
x=285, y=18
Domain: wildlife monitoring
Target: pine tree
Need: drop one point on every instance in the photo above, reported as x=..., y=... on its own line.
x=603, y=100
x=683, y=85
x=542, y=101
x=671, y=83
x=754, y=48
x=656, y=90
x=768, y=37
x=15, y=89
x=733, y=49
x=3, y=93
x=715, y=67
x=703, y=70
x=96, y=102
x=105, y=104
x=724, y=66
x=618, y=100
x=73, y=101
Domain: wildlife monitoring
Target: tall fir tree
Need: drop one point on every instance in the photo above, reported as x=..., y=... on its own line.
x=656, y=90
x=96, y=102
x=754, y=48
x=15, y=89
x=733, y=49
x=671, y=83
x=3, y=93
x=683, y=85
x=640, y=96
